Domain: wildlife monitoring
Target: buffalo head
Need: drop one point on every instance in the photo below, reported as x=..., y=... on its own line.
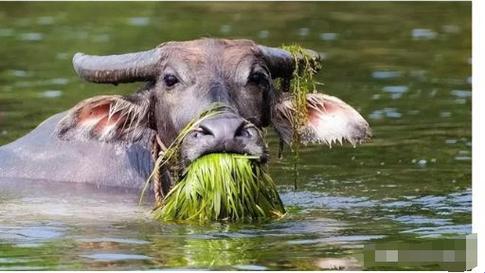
x=183, y=79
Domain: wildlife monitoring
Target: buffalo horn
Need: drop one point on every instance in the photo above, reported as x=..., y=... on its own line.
x=129, y=67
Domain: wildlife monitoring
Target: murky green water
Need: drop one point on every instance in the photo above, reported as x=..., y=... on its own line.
x=405, y=66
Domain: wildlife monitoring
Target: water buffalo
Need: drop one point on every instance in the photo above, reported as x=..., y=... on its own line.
x=107, y=140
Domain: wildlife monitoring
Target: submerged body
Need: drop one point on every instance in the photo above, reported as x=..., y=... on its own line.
x=42, y=155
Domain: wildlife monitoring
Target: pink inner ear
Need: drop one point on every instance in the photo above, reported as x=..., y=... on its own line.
x=332, y=120
x=97, y=119
x=325, y=108
x=107, y=123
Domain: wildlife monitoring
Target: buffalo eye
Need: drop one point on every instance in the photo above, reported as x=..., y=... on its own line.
x=170, y=80
x=257, y=78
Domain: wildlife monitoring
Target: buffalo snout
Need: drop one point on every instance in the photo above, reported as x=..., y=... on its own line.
x=224, y=133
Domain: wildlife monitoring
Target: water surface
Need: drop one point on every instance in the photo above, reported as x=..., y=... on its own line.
x=405, y=66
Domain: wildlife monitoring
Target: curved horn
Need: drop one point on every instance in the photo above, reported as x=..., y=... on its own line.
x=130, y=67
x=282, y=64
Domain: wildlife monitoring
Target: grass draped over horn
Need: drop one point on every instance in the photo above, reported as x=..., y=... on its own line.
x=222, y=187
x=302, y=83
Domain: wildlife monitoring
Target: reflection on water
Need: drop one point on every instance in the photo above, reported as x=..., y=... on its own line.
x=97, y=230
x=410, y=77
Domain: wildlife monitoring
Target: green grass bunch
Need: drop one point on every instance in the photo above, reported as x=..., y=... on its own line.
x=302, y=83
x=222, y=187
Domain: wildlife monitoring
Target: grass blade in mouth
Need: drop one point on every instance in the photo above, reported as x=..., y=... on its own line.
x=222, y=187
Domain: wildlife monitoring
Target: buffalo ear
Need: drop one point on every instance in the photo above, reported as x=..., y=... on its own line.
x=329, y=120
x=106, y=118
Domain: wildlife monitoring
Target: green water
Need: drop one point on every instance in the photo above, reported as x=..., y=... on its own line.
x=405, y=66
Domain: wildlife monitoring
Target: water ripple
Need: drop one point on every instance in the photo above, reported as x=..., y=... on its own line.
x=263, y=34
x=328, y=36
x=112, y=257
x=395, y=89
x=225, y=29
x=318, y=200
x=31, y=36
x=461, y=93
x=381, y=75
x=438, y=231
x=45, y=20
x=303, y=32
x=139, y=21
x=419, y=220
x=51, y=94
x=423, y=34
x=386, y=112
